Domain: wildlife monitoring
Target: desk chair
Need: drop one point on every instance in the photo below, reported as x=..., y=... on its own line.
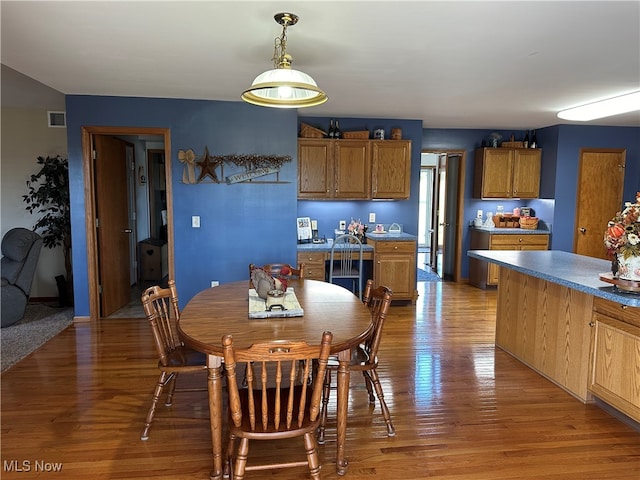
x=365, y=357
x=161, y=307
x=281, y=399
x=349, y=263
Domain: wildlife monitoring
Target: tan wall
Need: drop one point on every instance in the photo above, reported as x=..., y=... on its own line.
x=25, y=137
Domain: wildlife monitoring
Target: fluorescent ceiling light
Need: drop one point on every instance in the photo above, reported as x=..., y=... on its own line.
x=603, y=108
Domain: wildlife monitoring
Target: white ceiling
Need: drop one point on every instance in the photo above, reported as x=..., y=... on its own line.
x=452, y=64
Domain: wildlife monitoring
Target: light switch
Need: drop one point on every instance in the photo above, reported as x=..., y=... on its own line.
x=195, y=221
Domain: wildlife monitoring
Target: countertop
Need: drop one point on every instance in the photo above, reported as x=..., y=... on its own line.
x=568, y=269
x=511, y=231
x=392, y=237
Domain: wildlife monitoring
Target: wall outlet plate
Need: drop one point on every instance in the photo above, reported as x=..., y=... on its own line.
x=372, y=218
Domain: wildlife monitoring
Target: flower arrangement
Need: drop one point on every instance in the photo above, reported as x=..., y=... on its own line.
x=622, y=236
x=357, y=228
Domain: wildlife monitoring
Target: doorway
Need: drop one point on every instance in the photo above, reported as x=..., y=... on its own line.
x=600, y=189
x=441, y=211
x=94, y=218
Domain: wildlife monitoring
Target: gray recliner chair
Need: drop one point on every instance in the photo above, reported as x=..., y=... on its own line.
x=20, y=253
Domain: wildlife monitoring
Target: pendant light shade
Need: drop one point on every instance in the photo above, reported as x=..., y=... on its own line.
x=284, y=87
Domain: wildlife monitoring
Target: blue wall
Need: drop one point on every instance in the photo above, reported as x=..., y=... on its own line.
x=405, y=212
x=240, y=223
x=244, y=223
x=561, y=146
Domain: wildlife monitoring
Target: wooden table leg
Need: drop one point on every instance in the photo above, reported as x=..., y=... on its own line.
x=215, y=412
x=343, y=402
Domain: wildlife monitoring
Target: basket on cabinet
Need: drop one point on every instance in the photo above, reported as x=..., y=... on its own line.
x=360, y=135
x=529, y=223
x=307, y=131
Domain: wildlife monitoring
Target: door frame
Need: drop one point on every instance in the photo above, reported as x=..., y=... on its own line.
x=457, y=274
x=87, y=133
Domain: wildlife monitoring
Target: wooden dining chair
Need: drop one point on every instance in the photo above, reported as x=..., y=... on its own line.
x=364, y=358
x=281, y=400
x=162, y=311
x=345, y=261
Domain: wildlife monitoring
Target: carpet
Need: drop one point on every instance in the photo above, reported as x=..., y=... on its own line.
x=40, y=324
x=425, y=276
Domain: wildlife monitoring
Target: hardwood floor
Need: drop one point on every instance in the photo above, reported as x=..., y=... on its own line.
x=462, y=409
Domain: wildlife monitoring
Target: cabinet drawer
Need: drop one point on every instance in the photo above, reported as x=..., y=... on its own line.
x=612, y=309
x=517, y=240
x=395, y=247
x=313, y=264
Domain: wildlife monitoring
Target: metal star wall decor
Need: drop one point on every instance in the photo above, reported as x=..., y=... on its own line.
x=252, y=166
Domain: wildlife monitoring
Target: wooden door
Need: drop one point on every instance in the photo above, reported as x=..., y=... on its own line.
x=526, y=173
x=391, y=169
x=352, y=164
x=113, y=229
x=599, y=197
x=315, y=168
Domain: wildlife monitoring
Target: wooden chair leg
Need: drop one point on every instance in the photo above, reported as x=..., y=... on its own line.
x=367, y=382
x=385, y=411
x=311, y=448
x=326, y=391
x=240, y=463
x=154, y=403
x=171, y=381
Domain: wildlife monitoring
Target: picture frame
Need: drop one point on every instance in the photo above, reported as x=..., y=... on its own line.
x=304, y=229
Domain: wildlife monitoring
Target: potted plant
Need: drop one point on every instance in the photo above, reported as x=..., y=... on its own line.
x=48, y=195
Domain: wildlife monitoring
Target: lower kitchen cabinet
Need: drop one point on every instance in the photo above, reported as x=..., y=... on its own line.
x=314, y=264
x=616, y=356
x=394, y=265
x=483, y=274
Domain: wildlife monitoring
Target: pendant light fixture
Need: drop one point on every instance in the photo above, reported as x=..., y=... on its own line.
x=284, y=87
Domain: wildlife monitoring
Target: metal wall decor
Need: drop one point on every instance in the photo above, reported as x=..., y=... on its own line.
x=207, y=168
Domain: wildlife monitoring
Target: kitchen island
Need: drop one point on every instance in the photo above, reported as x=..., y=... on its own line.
x=555, y=315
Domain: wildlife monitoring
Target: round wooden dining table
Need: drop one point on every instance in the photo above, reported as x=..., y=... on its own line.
x=224, y=310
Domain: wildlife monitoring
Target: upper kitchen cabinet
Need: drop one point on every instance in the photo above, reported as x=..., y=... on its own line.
x=334, y=169
x=391, y=169
x=353, y=169
x=507, y=173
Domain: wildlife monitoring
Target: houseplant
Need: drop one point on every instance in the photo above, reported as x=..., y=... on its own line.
x=622, y=239
x=48, y=196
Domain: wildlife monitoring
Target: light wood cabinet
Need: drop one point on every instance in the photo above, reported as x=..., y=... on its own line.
x=507, y=173
x=394, y=265
x=546, y=326
x=391, y=169
x=353, y=169
x=314, y=264
x=616, y=356
x=483, y=274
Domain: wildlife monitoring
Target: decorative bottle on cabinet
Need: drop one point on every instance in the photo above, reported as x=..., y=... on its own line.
x=331, y=129
x=336, y=132
x=526, y=140
x=534, y=140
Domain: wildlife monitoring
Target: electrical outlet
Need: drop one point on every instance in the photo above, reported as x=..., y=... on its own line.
x=195, y=221
x=479, y=214
x=215, y=283
x=372, y=218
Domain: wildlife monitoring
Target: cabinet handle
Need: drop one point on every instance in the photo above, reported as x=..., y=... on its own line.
x=623, y=307
x=592, y=323
x=520, y=240
x=583, y=230
x=395, y=248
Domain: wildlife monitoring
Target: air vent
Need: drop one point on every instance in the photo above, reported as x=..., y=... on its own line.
x=57, y=119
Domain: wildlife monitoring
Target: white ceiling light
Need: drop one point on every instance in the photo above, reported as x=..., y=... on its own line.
x=603, y=108
x=284, y=87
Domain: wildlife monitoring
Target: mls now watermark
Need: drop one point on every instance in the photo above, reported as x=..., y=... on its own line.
x=31, y=466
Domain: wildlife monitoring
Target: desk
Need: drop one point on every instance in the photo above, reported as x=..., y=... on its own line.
x=222, y=310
